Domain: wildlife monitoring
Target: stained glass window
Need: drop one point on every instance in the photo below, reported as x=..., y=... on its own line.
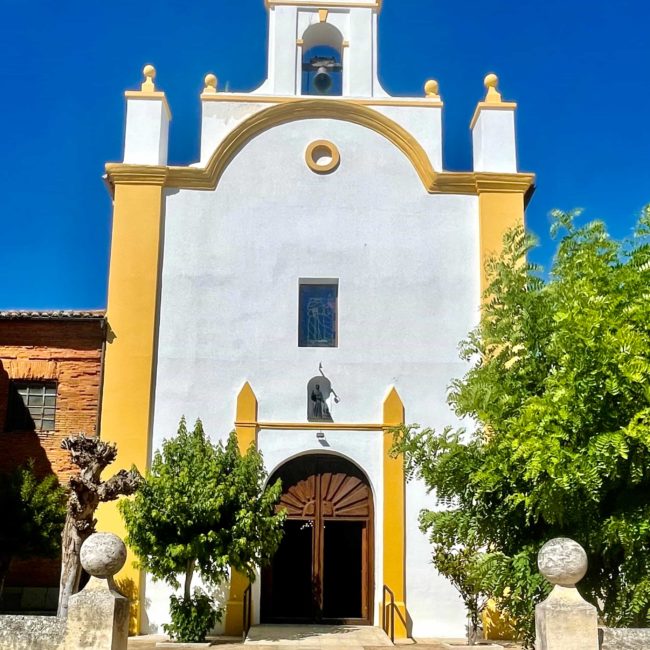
x=318, y=315
x=32, y=406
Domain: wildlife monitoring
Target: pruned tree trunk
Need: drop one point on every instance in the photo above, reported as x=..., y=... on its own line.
x=70, y=565
x=87, y=491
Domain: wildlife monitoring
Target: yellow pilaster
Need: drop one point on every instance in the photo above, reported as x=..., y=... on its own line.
x=498, y=212
x=127, y=402
x=247, y=428
x=394, y=515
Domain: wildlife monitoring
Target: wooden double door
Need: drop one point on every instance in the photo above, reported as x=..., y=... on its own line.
x=323, y=570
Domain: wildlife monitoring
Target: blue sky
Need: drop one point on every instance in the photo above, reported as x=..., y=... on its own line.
x=579, y=70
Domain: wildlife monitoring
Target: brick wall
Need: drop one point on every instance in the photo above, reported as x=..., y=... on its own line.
x=67, y=352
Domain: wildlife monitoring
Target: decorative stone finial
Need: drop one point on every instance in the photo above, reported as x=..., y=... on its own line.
x=432, y=89
x=210, y=84
x=103, y=555
x=562, y=562
x=491, y=82
x=149, y=73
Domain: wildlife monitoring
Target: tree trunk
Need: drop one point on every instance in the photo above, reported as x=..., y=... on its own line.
x=189, y=572
x=473, y=625
x=5, y=563
x=70, y=565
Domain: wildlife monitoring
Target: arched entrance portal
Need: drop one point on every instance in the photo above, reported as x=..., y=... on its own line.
x=323, y=570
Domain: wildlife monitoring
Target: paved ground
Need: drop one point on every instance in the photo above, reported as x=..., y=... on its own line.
x=318, y=636
x=306, y=638
x=296, y=637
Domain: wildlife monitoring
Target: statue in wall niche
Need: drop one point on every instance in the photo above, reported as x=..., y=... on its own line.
x=319, y=391
x=320, y=410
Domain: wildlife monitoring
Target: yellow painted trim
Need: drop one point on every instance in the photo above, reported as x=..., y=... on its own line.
x=318, y=426
x=127, y=399
x=333, y=152
x=123, y=174
x=300, y=42
x=246, y=421
x=207, y=178
x=481, y=106
x=247, y=430
x=245, y=98
x=376, y=5
x=498, y=212
x=395, y=515
x=323, y=15
x=153, y=96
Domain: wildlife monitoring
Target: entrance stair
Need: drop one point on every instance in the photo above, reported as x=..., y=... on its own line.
x=317, y=636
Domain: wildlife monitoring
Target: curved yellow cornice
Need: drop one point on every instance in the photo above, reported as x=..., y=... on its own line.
x=207, y=178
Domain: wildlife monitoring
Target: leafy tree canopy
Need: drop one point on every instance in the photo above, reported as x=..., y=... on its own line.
x=34, y=511
x=203, y=507
x=559, y=389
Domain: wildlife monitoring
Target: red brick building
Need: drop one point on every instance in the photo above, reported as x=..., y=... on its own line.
x=50, y=387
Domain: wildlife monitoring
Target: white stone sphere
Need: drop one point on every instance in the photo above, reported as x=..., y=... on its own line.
x=103, y=555
x=562, y=562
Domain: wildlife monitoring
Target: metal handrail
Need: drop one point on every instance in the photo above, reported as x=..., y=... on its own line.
x=248, y=606
x=385, y=627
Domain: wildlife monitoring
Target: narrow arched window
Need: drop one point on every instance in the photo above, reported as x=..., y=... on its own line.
x=322, y=61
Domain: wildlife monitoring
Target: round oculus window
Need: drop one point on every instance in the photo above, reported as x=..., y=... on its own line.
x=322, y=157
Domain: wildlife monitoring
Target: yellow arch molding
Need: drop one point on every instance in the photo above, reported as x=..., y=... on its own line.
x=207, y=178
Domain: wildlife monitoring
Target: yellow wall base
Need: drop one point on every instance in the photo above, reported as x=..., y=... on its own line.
x=247, y=428
x=395, y=514
x=234, y=622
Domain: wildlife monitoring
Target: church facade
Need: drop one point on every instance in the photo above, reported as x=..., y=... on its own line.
x=307, y=282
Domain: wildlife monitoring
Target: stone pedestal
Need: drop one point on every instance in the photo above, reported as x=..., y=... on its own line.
x=98, y=617
x=564, y=621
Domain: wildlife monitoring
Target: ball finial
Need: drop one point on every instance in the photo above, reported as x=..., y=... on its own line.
x=149, y=73
x=432, y=89
x=563, y=562
x=210, y=84
x=103, y=555
x=491, y=82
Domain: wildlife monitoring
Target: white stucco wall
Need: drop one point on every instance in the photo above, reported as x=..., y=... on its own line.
x=494, y=141
x=408, y=271
x=147, y=131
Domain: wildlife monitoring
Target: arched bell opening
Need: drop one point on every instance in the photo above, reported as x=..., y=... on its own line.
x=322, y=60
x=323, y=570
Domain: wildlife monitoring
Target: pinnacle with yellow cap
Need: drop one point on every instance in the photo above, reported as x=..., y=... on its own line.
x=491, y=82
x=149, y=73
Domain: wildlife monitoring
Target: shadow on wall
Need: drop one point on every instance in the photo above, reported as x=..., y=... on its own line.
x=128, y=588
x=19, y=441
x=31, y=584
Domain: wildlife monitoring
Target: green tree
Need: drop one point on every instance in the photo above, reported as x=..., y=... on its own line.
x=202, y=508
x=559, y=389
x=33, y=510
